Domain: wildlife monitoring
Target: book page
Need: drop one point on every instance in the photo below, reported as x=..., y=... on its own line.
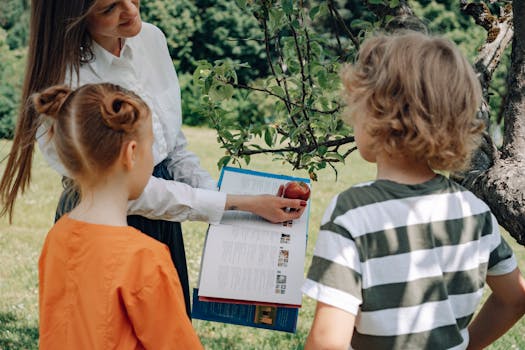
x=248, y=258
x=255, y=265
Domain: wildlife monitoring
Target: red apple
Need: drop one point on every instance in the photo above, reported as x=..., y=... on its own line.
x=296, y=190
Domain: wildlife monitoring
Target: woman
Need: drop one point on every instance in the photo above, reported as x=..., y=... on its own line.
x=91, y=41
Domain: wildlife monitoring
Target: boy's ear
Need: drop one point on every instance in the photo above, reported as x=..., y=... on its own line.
x=129, y=153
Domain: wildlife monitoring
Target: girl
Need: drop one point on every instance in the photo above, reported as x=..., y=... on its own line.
x=93, y=41
x=102, y=283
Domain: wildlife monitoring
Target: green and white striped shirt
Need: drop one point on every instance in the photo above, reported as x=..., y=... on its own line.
x=409, y=260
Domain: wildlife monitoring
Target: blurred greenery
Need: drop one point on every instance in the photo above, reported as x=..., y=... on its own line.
x=213, y=30
x=11, y=71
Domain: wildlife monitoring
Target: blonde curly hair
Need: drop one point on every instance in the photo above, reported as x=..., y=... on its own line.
x=419, y=96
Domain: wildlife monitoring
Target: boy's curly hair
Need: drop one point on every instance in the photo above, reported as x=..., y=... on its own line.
x=419, y=96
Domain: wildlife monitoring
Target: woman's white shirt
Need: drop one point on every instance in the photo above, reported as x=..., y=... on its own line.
x=145, y=67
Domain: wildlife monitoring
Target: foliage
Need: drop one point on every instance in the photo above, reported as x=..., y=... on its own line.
x=179, y=21
x=243, y=108
x=10, y=73
x=14, y=19
x=210, y=30
x=304, y=128
x=305, y=44
x=227, y=31
x=205, y=30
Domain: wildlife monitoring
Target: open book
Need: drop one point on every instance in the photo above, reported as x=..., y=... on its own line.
x=248, y=260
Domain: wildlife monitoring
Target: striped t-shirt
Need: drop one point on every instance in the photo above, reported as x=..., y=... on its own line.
x=409, y=260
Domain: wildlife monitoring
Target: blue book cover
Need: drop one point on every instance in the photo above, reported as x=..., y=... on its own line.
x=275, y=318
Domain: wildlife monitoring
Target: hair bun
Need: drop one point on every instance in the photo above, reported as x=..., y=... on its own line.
x=120, y=112
x=50, y=101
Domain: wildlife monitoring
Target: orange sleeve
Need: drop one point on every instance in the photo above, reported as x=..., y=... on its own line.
x=157, y=309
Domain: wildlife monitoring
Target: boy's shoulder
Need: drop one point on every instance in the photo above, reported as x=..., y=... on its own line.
x=373, y=191
x=367, y=197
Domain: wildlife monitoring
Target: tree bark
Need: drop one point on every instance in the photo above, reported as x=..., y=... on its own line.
x=498, y=177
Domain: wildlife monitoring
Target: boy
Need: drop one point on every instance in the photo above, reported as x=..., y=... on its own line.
x=400, y=262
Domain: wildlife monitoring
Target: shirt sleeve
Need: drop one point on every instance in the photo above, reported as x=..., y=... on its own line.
x=176, y=201
x=501, y=259
x=185, y=167
x=334, y=277
x=157, y=310
x=47, y=147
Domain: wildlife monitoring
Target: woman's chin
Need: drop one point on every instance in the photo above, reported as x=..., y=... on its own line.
x=132, y=29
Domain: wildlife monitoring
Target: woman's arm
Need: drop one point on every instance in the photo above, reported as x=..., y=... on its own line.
x=185, y=166
x=176, y=201
x=272, y=208
x=47, y=147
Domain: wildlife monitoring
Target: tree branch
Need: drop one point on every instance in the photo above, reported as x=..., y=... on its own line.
x=500, y=182
x=335, y=13
x=284, y=99
x=303, y=148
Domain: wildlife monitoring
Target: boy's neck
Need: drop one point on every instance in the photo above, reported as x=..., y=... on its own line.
x=103, y=205
x=403, y=169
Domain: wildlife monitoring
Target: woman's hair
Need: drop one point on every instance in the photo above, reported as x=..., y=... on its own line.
x=91, y=124
x=58, y=41
x=419, y=96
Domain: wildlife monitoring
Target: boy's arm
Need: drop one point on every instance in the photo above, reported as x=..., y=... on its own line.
x=332, y=328
x=504, y=307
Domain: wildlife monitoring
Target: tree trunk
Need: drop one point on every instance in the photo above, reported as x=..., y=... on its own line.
x=501, y=184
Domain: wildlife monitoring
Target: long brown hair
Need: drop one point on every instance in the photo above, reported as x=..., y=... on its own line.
x=58, y=41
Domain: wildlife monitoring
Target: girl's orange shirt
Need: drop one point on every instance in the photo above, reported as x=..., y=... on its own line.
x=109, y=287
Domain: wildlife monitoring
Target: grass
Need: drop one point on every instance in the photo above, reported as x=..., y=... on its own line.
x=20, y=245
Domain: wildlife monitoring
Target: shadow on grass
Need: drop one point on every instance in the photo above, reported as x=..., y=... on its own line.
x=217, y=336
x=15, y=335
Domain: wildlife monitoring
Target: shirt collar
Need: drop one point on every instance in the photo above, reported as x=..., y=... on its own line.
x=104, y=59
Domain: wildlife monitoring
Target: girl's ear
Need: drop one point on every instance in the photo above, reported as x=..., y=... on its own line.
x=129, y=154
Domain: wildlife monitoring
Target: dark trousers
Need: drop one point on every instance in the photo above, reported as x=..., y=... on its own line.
x=167, y=232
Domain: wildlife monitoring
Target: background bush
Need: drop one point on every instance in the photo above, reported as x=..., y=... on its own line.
x=217, y=29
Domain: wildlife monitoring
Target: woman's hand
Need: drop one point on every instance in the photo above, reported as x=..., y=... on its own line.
x=273, y=208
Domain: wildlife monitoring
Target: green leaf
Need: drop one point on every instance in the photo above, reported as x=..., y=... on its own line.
x=360, y=24
x=241, y=4
x=322, y=150
x=223, y=161
x=393, y=3
x=226, y=134
x=336, y=156
x=376, y=2
x=219, y=92
x=314, y=11
x=268, y=136
x=276, y=20
x=279, y=91
x=287, y=6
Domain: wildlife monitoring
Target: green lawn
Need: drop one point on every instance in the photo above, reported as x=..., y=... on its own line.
x=20, y=245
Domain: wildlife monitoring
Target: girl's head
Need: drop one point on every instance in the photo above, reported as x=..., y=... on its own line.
x=417, y=96
x=99, y=128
